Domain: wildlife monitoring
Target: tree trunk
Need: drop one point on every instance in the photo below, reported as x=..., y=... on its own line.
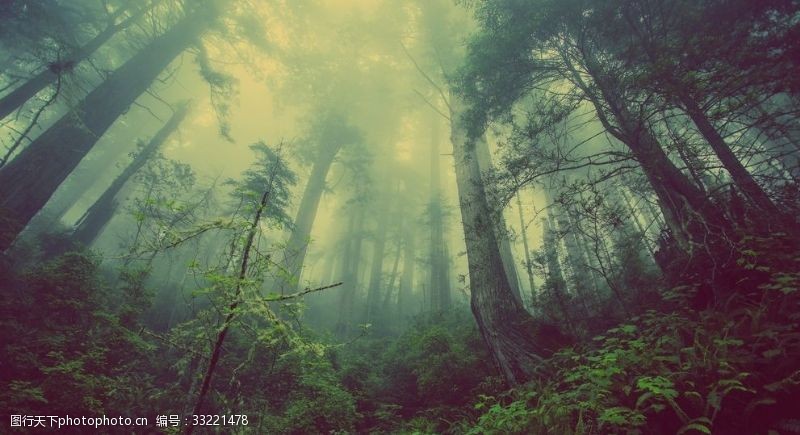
x=387, y=298
x=376, y=275
x=528, y=264
x=515, y=339
x=484, y=157
x=642, y=231
x=440, y=297
x=686, y=153
x=687, y=211
x=28, y=181
x=562, y=228
x=747, y=185
x=556, y=282
x=81, y=180
x=98, y=215
x=407, y=280
x=20, y=95
x=295, y=252
x=350, y=272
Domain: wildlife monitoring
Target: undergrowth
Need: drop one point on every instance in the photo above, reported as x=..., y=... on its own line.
x=729, y=369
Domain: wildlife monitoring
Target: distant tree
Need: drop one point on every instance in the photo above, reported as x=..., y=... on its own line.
x=57, y=151
x=122, y=17
x=97, y=216
x=327, y=135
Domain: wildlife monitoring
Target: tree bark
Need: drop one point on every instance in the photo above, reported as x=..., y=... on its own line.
x=517, y=342
x=28, y=181
x=484, y=157
x=100, y=213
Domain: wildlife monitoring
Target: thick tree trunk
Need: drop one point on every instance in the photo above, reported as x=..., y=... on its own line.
x=98, y=215
x=21, y=94
x=484, y=157
x=79, y=182
x=294, y=254
x=28, y=181
x=515, y=339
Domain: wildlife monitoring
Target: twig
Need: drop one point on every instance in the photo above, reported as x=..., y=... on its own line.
x=301, y=293
x=173, y=344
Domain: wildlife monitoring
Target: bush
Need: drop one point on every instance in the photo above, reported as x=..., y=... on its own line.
x=681, y=372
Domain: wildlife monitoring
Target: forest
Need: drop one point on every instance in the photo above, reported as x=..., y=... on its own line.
x=406, y=217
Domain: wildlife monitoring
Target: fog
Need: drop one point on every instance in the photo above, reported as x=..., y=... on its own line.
x=380, y=216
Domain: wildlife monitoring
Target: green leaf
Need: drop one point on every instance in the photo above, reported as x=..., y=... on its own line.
x=694, y=426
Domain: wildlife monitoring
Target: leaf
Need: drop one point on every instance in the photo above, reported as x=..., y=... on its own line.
x=748, y=410
x=694, y=426
x=643, y=398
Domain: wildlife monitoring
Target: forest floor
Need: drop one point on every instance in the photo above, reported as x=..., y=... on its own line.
x=73, y=346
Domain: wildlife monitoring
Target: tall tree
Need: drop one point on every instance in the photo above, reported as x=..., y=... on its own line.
x=651, y=50
x=327, y=136
x=97, y=216
x=350, y=270
x=484, y=157
x=523, y=225
x=546, y=42
x=438, y=286
x=122, y=18
x=517, y=341
x=58, y=150
x=407, y=280
x=376, y=274
x=555, y=286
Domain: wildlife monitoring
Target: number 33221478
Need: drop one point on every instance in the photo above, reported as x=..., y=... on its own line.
x=218, y=420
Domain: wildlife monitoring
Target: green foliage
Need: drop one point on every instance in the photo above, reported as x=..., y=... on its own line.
x=65, y=351
x=314, y=401
x=683, y=372
x=269, y=173
x=421, y=381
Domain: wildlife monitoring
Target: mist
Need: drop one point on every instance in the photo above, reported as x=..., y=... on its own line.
x=371, y=216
